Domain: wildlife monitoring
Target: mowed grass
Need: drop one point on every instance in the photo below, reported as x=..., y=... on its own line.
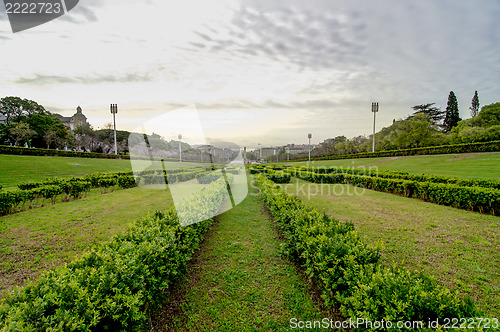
x=238, y=281
x=17, y=169
x=460, y=248
x=465, y=165
x=39, y=239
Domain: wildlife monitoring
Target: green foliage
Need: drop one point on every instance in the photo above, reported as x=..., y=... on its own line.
x=115, y=285
x=205, y=178
x=488, y=116
x=432, y=112
x=348, y=271
x=375, y=172
x=458, y=193
x=474, y=108
x=452, y=115
x=445, y=149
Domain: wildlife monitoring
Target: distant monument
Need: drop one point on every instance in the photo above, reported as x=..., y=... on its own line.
x=72, y=122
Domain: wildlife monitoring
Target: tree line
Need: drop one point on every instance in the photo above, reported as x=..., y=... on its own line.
x=428, y=125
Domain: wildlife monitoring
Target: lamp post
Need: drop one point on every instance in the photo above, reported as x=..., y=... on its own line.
x=260, y=151
x=374, y=110
x=309, y=136
x=114, y=109
x=180, y=148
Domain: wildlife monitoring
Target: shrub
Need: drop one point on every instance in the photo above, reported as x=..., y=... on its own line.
x=474, y=198
x=348, y=272
x=116, y=284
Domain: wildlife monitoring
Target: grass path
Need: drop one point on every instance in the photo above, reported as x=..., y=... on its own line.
x=238, y=281
x=36, y=240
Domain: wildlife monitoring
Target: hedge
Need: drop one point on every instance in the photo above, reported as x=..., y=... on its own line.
x=348, y=272
x=29, y=193
x=115, y=285
x=17, y=150
x=485, y=183
x=13, y=201
x=278, y=176
x=443, y=149
x=483, y=200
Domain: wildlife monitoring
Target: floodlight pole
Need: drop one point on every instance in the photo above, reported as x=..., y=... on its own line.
x=309, y=136
x=180, y=148
x=374, y=110
x=114, y=110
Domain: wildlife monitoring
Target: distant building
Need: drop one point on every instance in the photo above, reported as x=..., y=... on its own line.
x=72, y=122
x=3, y=119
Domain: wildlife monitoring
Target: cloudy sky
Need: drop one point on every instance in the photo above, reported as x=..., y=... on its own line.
x=257, y=71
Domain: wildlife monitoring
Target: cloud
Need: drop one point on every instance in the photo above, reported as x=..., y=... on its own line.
x=43, y=79
x=315, y=39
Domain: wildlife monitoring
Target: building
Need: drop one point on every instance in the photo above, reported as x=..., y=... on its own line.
x=3, y=119
x=73, y=122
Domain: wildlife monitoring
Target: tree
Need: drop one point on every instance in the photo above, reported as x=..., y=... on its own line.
x=452, y=115
x=474, y=109
x=15, y=107
x=434, y=113
x=42, y=124
x=50, y=137
x=22, y=133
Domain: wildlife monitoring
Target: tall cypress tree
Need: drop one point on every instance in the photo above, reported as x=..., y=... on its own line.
x=452, y=115
x=474, y=109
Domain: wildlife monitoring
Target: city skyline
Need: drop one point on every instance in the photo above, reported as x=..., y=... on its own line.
x=257, y=71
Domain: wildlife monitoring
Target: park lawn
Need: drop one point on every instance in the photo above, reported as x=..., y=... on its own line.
x=484, y=165
x=16, y=169
x=460, y=248
x=238, y=281
x=39, y=239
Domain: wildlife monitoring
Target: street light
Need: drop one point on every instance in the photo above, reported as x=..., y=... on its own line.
x=114, y=109
x=309, y=136
x=374, y=110
x=180, y=148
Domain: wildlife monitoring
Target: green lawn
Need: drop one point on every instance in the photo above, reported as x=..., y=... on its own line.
x=459, y=248
x=39, y=239
x=238, y=281
x=466, y=165
x=16, y=169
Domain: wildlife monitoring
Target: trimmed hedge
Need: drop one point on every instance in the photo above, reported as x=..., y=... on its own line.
x=278, y=176
x=492, y=146
x=205, y=178
x=17, y=150
x=30, y=193
x=348, y=271
x=483, y=200
x=495, y=184
x=115, y=285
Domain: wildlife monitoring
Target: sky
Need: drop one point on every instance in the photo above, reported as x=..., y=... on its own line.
x=257, y=71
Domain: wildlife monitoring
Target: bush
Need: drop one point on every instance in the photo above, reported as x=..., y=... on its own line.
x=278, y=176
x=297, y=171
x=474, y=198
x=348, y=271
x=115, y=285
x=205, y=178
